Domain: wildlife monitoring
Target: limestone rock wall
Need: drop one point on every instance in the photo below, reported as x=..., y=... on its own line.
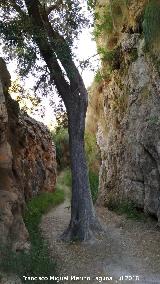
x=128, y=126
x=27, y=164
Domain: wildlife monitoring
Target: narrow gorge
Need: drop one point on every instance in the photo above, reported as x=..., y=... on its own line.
x=100, y=217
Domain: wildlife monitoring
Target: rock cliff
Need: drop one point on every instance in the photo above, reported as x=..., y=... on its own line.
x=126, y=99
x=27, y=164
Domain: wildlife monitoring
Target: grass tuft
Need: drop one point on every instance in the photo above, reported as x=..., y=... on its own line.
x=127, y=208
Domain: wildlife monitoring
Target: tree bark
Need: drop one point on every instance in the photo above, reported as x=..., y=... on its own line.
x=83, y=222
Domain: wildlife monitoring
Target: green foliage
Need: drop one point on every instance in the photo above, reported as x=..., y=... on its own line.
x=94, y=183
x=92, y=153
x=61, y=140
x=40, y=205
x=104, y=23
x=127, y=2
x=111, y=61
x=134, y=54
x=22, y=37
x=36, y=262
x=91, y=4
x=61, y=118
x=98, y=77
x=93, y=160
x=127, y=208
x=107, y=55
x=65, y=179
x=109, y=19
x=151, y=22
x=154, y=120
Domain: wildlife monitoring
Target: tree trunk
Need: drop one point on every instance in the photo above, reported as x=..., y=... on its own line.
x=83, y=218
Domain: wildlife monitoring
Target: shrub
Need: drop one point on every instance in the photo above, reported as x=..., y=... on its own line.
x=98, y=77
x=94, y=182
x=61, y=141
x=92, y=153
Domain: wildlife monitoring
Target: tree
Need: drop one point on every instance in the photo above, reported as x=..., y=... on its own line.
x=31, y=29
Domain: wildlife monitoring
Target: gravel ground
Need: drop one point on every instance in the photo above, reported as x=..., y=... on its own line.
x=129, y=249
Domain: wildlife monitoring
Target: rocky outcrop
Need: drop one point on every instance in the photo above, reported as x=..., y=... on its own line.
x=128, y=127
x=27, y=164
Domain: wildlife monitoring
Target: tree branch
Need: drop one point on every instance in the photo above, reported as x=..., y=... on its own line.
x=61, y=47
x=17, y=8
x=46, y=50
x=55, y=6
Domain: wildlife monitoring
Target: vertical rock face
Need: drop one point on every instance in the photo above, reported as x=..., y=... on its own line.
x=129, y=136
x=27, y=164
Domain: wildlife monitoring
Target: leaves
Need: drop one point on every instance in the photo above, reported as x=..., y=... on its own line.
x=18, y=36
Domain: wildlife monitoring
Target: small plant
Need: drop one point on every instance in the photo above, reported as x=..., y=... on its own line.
x=134, y=54
x=105, y=54
x=127, y=208
x=94, y=182
x=154, y=120
x=98, y=77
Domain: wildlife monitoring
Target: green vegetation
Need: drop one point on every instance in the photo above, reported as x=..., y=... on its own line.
x=98, y=77
x=127, y=208
x=94, y=183
x=127, y=2
x=151, y=23
x=91, y=4
x=61, y=141
x=104, y=74
x=65, y=179
x=105, y=24
x=92, y=153
x=111, y=59
x=106, y=55
x=109, y=18
x=154, y=120
x=36, y=262
x=93, y=160
x=134, y=54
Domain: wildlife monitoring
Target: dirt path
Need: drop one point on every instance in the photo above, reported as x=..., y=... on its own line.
x=128, y=248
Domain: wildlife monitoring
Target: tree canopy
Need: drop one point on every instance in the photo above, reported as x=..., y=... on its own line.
x=59, y=24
